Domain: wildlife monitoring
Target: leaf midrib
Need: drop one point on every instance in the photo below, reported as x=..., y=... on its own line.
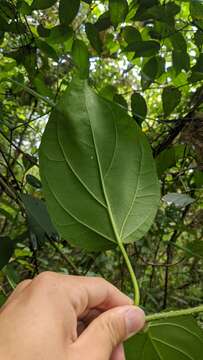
x=118, y=239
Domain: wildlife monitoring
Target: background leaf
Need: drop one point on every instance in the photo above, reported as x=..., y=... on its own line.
x=118, y=10
x=6, y=250
x=68, y=10
x=38, y=218
x=139, y=107
x=93, y=37
x=42, y=4
x=180, y=200
x=171, y=97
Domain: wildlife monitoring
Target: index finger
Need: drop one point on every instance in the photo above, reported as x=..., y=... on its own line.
x=92, y=292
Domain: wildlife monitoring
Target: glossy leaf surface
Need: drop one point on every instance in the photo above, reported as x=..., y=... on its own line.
x=97, y=171
x=175, y=338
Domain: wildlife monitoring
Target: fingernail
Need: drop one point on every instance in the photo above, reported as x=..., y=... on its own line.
x=134, y=319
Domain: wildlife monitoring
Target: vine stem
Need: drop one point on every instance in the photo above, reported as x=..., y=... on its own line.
x=132, y=274
x=174, y=313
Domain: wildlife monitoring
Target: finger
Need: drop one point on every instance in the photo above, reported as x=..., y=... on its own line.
x=109, y=330
x=118, y=353
x=83, y=293
x=92, y=292
x=19, y=288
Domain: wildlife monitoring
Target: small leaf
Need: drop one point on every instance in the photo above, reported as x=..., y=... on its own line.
x=196, y=9
x=68, y=10
x=29, y=161
x=80, y=57
x=42, y=4
x=144, y=48
x=6, y=250
x=131, y=34
x=181, y=61
x=60, y=34
x=171, y=97
x=119, y=99
x=103, y=22
x=108, y=92
x=80, y=172
x=195, y=248
x=149, y=72
x=42, y=31
x=175, y=338
x=93, y=37
x=38, y=218
x=168, y=158
x=47, y=49
x=139, y=107
x=179, y=200
x=198, y=176
x=118, y=11
x=33, y=181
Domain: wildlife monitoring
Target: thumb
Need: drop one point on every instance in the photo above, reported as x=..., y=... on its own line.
x=108, y=330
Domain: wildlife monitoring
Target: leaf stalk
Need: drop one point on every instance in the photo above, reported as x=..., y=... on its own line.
x=175, y=313
x=132, y=274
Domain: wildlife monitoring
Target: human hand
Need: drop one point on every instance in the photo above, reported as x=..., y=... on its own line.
x=64, y=317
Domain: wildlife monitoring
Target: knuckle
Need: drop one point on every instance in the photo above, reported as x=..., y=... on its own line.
x=45, y=277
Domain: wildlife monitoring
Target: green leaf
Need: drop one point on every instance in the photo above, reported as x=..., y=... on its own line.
x=33, y=181
x=177, y=338
x=6, y=250
x=108, y=92
x=198, y=38
x=119, y=99
x=178, y=42
x=118, y=10
x=103, y=22
x=196, y=9
x=80, y=172
x=42, y=31
x=168, y=158
x=29, y=161
x=80, y=57
x=47, y=49
x=149, y=72
x=195, y=248
x=93, y=37
x=179, y=200
x=163, y=13
x=131, y=34
x=171, y=97
x=181, y=61
x=42, y=4
x=39, y=221
x=60, y=34
x=198, y=176
x=139, y=107
x=68, y=10
x=144, y=48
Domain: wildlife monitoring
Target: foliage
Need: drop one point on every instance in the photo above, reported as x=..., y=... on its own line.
x=144, y=61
